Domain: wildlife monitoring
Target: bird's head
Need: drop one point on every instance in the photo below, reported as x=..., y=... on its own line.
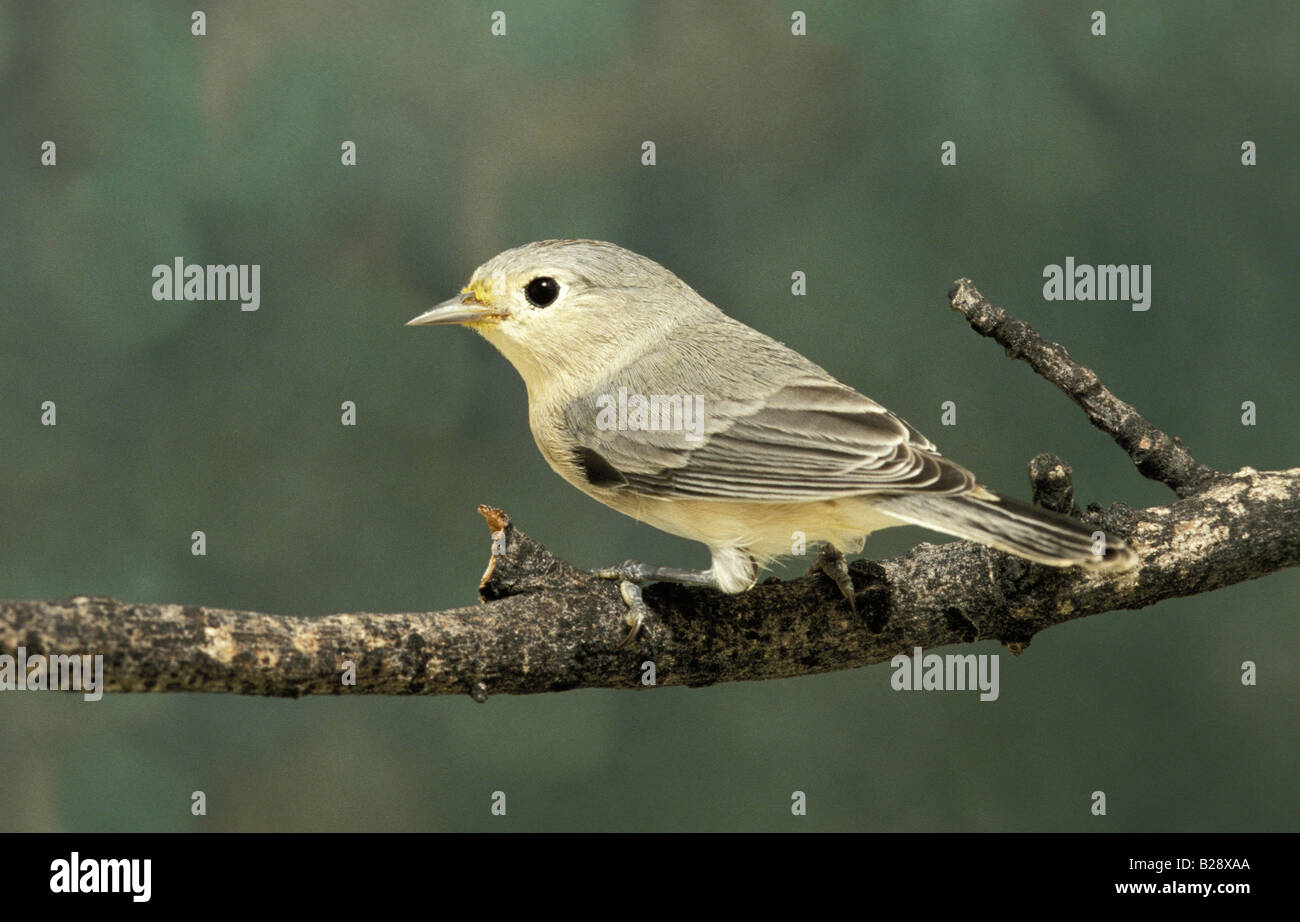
x=568, y=306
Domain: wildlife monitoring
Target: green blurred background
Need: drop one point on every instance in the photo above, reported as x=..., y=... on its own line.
x=775, y=153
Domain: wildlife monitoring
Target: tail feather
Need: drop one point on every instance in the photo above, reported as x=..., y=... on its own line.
x=1015, y=527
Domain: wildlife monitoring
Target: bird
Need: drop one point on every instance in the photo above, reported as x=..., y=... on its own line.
x=650, y=399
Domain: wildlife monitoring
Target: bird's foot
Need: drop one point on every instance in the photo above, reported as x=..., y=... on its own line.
x=633, y=574
x=831, y=562
x=636, y=611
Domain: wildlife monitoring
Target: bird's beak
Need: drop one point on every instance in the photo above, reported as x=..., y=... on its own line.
x=464, y=308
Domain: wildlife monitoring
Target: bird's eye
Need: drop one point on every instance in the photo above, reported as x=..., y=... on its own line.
x=542, y=291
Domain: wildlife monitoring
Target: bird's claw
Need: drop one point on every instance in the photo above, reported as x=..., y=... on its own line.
x=831, y=562
x=636, y=611
x=630, y=575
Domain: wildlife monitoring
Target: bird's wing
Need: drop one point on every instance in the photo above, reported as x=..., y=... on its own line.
x=807, y=438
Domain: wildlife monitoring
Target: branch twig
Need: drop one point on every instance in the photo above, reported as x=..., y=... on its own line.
x=1156, y=455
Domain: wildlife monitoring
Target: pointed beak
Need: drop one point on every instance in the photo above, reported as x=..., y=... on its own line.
x=463, y=308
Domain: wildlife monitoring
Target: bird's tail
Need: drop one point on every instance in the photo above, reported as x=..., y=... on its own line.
x=1015, y=527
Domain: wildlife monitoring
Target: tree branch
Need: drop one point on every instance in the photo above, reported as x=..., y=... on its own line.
x=546, y=626
x=1156, y=455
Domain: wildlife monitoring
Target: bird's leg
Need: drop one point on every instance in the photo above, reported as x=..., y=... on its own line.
x=632, y=575
x=634, y=571
x=831, y=562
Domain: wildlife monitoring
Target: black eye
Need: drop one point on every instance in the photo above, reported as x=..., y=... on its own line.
x=542, y=291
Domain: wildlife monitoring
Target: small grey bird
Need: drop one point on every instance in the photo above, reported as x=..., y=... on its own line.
x=648, y=398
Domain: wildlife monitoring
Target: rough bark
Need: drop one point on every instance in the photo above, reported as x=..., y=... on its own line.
x=546, y=626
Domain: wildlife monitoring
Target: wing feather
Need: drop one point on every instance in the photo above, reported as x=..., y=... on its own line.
x=810, y=439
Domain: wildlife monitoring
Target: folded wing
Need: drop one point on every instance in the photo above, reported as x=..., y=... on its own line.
x=811, y=438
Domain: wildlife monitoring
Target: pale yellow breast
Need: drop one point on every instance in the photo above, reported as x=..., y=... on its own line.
x=765, y=530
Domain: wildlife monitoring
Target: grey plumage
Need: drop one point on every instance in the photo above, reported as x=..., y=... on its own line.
x=782, y=448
